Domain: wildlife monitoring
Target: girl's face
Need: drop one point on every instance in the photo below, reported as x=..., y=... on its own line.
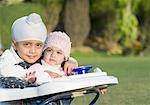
x=30, y=51
x=53, y=56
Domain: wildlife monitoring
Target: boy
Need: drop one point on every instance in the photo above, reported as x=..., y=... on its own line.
x=28, y=36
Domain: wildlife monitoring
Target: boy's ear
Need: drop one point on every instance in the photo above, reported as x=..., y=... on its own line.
x=14, y=44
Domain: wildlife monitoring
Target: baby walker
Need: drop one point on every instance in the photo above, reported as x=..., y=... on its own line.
x=83, y=83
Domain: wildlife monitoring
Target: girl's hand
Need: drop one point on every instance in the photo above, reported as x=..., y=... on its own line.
x=53, y=74
x=69, y=66
x=30, y=77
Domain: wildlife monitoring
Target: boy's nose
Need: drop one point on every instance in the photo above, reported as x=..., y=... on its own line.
x=32, y=50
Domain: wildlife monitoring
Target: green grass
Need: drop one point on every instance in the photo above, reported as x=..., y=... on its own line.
x=133, y=74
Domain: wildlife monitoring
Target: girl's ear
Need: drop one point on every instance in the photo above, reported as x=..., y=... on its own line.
x=66, y=59
x=42, y=54
x=63, y=63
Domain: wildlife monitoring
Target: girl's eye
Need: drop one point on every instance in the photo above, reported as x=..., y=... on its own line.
x=49, y=50
x=59, y=52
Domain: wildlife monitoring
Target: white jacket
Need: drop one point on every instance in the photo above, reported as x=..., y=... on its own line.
x=42, y=76
x=7, y=64
x=8, y=68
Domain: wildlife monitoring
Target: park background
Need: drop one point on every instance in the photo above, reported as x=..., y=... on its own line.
x=111, y=34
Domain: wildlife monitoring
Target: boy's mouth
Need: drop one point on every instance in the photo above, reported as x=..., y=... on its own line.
x=31, y=57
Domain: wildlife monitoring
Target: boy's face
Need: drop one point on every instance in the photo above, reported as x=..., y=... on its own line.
x=30, y=51
x=53, y=56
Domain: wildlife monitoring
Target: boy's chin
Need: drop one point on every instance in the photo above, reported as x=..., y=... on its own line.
x=31, y=61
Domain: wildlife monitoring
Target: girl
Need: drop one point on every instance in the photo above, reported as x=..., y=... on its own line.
x=56, y=51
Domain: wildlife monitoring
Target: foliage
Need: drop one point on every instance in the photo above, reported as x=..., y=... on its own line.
x=101, y=6
x=143, y=15
x=9, y=2
x=110, y=20
x=103, y=18
x=145, y=5
x=115, y=21
x=127, y=24
x=102, y=15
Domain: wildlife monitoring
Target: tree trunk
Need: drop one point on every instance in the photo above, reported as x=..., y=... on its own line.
x=77, y=20
x=52, y=16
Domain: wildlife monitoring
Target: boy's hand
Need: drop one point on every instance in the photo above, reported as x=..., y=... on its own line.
x=103, y=90
x=69, y=66
x=30, y=77
x=53, y=74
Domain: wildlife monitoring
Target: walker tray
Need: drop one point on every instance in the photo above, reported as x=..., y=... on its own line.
x=60, y=85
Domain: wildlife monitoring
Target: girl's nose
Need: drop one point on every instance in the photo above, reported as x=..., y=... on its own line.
x=53, y=54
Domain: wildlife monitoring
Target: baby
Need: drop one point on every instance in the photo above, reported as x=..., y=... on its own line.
x=56, y=51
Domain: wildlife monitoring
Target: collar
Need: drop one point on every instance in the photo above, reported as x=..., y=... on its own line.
x=17, y=58
x=56, y=67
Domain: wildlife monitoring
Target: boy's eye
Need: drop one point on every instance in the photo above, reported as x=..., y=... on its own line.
x=26, y=44
x=39, y=45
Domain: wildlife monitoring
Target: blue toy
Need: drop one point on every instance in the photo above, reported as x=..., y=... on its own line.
x=82, y=69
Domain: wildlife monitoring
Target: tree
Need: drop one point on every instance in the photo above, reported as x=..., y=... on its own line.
x=77, y=20
x=127, y=23
x=52, y=12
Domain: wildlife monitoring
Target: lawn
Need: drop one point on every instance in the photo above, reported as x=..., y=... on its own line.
x=134, y=80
